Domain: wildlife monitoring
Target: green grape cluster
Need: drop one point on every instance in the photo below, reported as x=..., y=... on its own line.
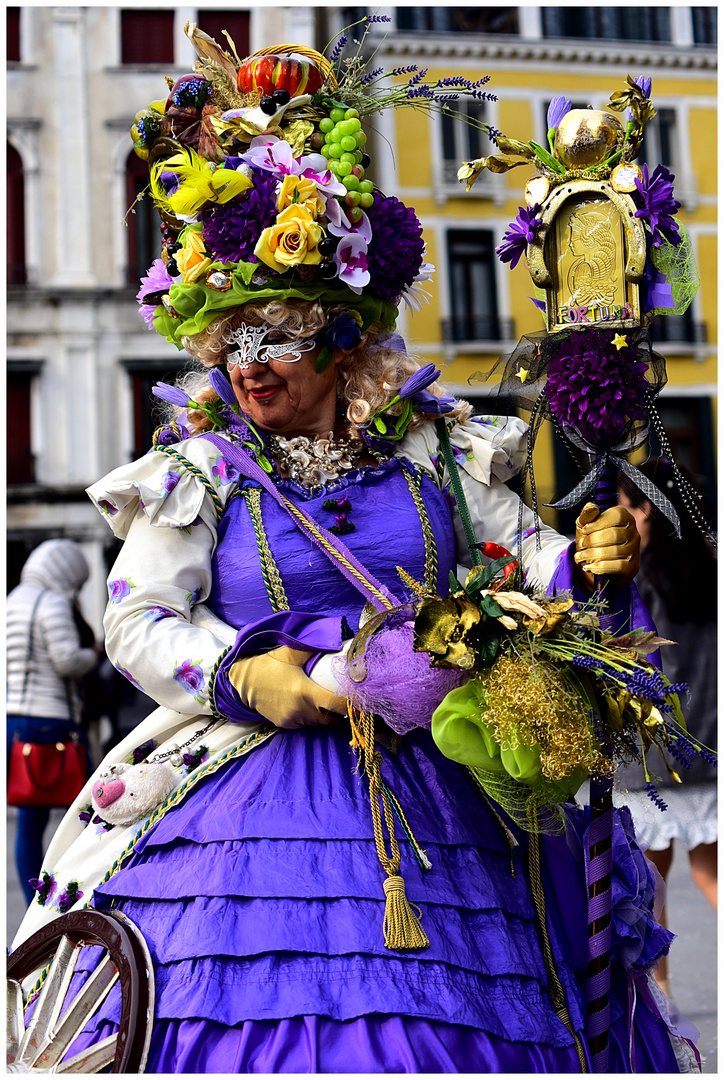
x=343, y=147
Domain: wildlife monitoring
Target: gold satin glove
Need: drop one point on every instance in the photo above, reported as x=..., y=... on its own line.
x=274, y=685
x=607, y=543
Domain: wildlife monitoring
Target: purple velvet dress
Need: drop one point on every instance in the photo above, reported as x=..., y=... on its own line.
x=261, y=895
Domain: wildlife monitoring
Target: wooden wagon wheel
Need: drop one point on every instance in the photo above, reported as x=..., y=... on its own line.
x=42, y=1046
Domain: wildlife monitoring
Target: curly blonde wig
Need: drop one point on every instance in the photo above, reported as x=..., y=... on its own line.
x=369, y=375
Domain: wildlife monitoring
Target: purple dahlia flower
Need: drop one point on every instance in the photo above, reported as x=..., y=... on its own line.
x=519, y=234
x=595, y=388
x=157, y=279
x=232, y=229
x=659, y=205
x=396, y=250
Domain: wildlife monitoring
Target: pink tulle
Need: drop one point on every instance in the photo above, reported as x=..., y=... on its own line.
x=400, y=686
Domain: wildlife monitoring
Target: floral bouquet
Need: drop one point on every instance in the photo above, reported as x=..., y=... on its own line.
x=526, y=690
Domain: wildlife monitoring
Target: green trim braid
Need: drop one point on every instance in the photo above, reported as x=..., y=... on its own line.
x=189, y=465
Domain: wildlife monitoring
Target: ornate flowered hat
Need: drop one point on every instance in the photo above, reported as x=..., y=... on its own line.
x=257, y=168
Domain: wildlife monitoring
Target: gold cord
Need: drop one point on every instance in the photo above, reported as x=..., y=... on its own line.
x=402, y=927
x=414, y=482
x=269, y=569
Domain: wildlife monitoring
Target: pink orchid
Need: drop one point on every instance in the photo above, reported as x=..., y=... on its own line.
x=351, y=260
x=314, y=167
x=340, y=225
x=275, y=155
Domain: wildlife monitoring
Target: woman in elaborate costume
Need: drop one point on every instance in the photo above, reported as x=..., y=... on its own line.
x=289, y=930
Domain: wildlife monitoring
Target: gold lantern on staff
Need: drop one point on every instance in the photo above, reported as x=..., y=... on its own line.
x=589, y=252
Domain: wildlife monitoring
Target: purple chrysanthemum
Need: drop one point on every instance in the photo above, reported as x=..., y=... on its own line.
x=232, y=229
x=519, y=234
x=595, y=388
x=396, y=250
x=656, y=193
x=156, y=279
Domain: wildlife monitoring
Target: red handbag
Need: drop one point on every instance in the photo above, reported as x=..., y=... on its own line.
x=46, y=774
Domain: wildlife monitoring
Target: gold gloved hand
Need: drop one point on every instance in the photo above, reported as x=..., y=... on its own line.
x=607, y=543
x=275, y=685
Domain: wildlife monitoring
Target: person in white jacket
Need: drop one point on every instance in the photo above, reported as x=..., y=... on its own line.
x=44, y=660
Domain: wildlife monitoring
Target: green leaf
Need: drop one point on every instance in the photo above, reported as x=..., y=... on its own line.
x=485, y=576
x=489, y=644
x=488, y=606
x=455, y=585
x=547, y=159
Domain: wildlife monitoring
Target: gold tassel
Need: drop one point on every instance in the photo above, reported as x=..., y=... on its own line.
x=402, y=927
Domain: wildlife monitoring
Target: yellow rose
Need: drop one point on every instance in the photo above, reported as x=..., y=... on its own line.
x=192, y=259
x=299, y=191
x=292, y=241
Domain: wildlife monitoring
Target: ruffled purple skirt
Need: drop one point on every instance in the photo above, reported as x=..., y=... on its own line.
x=261, y=900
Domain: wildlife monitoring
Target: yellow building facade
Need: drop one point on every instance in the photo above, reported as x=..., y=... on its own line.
x=479, y=308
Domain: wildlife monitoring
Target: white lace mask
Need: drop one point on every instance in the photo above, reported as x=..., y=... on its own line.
x=253, y=344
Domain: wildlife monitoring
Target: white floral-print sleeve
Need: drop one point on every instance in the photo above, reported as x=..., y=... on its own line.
x=166, y=507
x=488, y=451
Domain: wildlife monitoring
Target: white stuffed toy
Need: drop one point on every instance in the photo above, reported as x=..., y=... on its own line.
x=128, y=793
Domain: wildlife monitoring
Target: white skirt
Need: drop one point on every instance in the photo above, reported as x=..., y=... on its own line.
x=691, y=816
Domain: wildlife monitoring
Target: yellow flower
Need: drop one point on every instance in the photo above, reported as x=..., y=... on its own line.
x=292, y=241
x=192, y=259
x=299, y=191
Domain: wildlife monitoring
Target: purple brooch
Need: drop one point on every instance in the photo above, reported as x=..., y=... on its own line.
x=340, y=508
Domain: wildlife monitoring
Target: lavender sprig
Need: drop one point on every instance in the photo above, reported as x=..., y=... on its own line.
x=650, y=789
x=337, y=50
x=418, y=77
x=367, y=79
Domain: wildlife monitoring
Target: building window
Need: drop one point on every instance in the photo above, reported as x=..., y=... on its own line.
x=16, y=218
x=147, y=36
x=705, y=25
x=21, y=463
x=147, y=409
x=473, y=299
x=144, y=224
x=464, y=20
x=658, y=145
x=620, y=23
x=236, y=23
x=462, y=141
x=13, y=34
x=666, y=329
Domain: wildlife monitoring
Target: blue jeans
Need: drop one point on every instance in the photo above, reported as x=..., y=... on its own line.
x=32, y=820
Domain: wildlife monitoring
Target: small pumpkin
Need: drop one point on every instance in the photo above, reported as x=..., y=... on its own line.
x=270, y=73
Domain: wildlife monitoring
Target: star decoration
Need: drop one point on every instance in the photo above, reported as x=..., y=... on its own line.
x=522, y=374
x=619, y=341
